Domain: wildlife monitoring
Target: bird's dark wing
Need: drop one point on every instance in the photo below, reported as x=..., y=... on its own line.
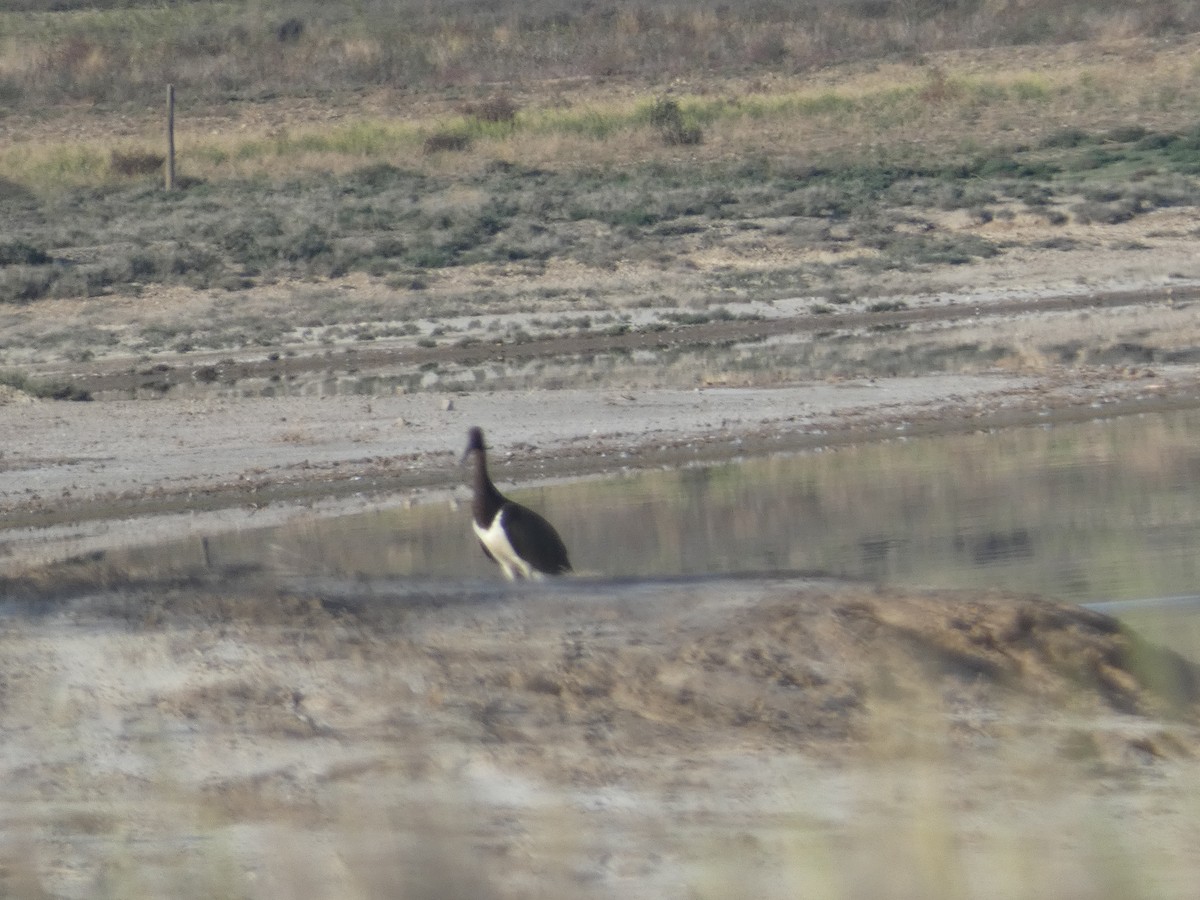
x=535, y=540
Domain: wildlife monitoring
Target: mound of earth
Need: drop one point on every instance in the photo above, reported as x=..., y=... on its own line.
x=598, y=738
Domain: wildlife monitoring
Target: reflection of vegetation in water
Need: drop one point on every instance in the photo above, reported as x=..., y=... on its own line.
x=1086, y=511
x=1094, y=511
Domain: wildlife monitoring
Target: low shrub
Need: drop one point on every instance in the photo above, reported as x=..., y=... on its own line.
x=667, y=116
x=133, y=164
x=289, y=31
x=47, y=390
x=446, y=142
x=499, y=109
x=1092, y=212
x=21, y=253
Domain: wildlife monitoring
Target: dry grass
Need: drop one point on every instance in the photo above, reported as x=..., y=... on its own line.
x=711, y=741
x=916, y=106
x=126, y=54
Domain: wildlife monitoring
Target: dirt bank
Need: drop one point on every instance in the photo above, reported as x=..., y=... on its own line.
x=673, y=739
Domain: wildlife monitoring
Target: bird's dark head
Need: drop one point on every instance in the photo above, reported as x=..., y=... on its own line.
x=474, y=442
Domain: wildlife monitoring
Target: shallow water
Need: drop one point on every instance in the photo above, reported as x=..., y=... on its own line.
x=1099, y=511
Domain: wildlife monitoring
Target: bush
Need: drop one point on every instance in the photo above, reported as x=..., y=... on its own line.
x=129, y=165
x=47, y=390
x=683, y=135
x=667, y=116
x=447, y=142
x=289, y=31
x=310, y=243
x=23, y=284
x=1126, y=134
x=1066, y=138
x=499, y=108
x=21, y=253
x=1098, y=213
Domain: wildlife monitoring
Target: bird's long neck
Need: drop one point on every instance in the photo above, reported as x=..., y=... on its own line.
x=486, y=500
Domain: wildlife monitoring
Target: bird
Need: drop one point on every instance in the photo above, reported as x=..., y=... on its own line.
x=519, y=540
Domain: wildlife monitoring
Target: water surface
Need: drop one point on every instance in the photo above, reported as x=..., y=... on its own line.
x=1097, y=511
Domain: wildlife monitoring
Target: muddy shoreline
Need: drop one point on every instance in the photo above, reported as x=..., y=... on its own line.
x=77, y=476
x=116, y=378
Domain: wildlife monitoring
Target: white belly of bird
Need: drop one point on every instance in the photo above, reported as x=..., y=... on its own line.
x=494, y=538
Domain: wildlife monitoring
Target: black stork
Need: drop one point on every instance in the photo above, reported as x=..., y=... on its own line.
x=523, y=543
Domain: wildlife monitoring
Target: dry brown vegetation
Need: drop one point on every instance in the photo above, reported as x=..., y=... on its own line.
x=772, y=737
x=120, y=51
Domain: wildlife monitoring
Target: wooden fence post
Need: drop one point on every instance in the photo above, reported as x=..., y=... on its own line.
x=170, y=137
